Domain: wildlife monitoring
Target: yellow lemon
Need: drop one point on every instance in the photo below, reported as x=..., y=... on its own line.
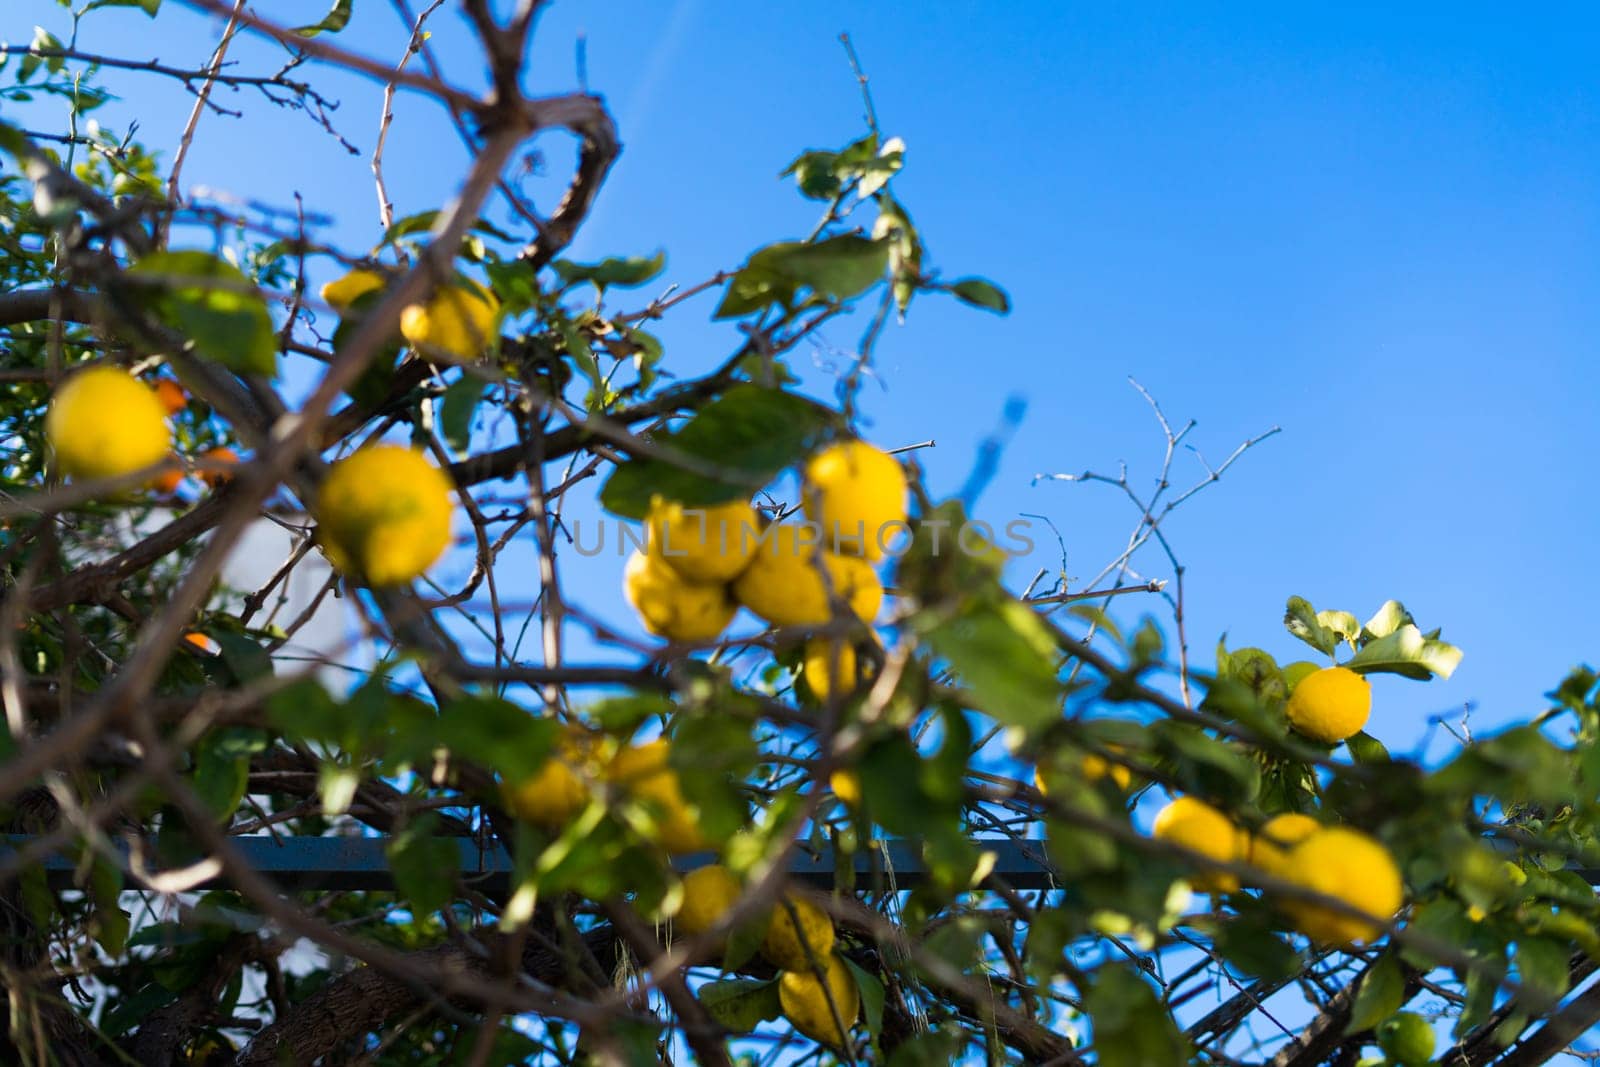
x=1198, y=826
x=704, y=544
x=104, y=422
x=1330, y=705
x=1350, y=866
x=344, y=291
x=826, y=663
x=642, y=771
x=384, y=513
x=817, y=1009
x=673, y=607
x=783, y=583
x=1269, y=848
x=709, y=893
x=559, y=791
x=1094, y=768
x=857, y=494
x=456, y=326
x=846, y=785
x=790, y=935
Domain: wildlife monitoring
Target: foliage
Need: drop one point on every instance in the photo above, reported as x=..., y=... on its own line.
x=156, y=723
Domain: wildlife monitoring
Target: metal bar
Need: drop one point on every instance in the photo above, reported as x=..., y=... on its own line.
x=300, y=864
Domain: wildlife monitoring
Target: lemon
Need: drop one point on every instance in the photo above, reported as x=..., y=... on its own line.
x=703, y=544
x=559, y=791
x=1269, y=849
x=790, y=935
x=103, y=422
x=828, y=662
x=642, y=771
x=456, y=326
x=1407, y=1039
x=673, y=607
x=783, y=583
x=1094, y=768
x=815, y=1009
x=709, y=893
x=384, y=513
x=1330, y=705
x=846, y=785
x=1198, y=826
x=344, y=291
x=1349, y=866
x=857, y=494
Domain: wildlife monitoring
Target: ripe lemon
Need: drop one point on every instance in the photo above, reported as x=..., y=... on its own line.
x=560, y=790
x=1407, y=1039
x=673, y=607
x=384, y=513
x=1094, y=768
x=783, y=583
x=342, y=292
x=642, y=771
x=104, y=422
x=829, y=667
x=1196, y=825
x=456, y=326
x=1269, y=848
x=857, y=494
x=1349, y=866
x=709, y=893
x=1330, y=705
x=703, y=544
x=810, y=1006
x=790, y=935
x=846, y=785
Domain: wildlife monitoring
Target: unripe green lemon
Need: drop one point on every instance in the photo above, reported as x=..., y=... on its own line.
x=1407, y=1039
x=103, y=422
x=383, y=513
x=857, y=494
x=1330, y=705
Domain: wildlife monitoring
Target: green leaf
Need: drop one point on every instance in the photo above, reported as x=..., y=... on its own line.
x=1342, y=624
x=751, y=433
x=837, y=268
x=1302, y=621
x=1132, y=1028
x=982, y=293
x=872, y=995
x=1005, y=656
x=741, y=1004
x=623, y=272
x=814, y=172
x=1389, y=618
x=1364, y=748
x=1253, y=948
x=222, y=767
x=211, y=302
x=1406, y=652
x=937, y=1048
x=456, y=409
x=1382, y=991
x=1542, y=966
x=149, y=7
x=424, y=865
x=246, y=660
x=498, y=735
x=336, y=19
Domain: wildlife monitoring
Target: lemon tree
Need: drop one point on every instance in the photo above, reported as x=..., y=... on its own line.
x=792, y=769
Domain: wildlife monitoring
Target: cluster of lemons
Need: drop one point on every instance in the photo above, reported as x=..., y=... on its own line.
x=457, y=324
x=1328, y=705
x=105, y=423
x=699, y=565
x=815, y=987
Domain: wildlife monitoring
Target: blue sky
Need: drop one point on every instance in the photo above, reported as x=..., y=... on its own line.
x=1375, y=230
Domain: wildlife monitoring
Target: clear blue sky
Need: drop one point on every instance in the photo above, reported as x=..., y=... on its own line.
x=1377, y=230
